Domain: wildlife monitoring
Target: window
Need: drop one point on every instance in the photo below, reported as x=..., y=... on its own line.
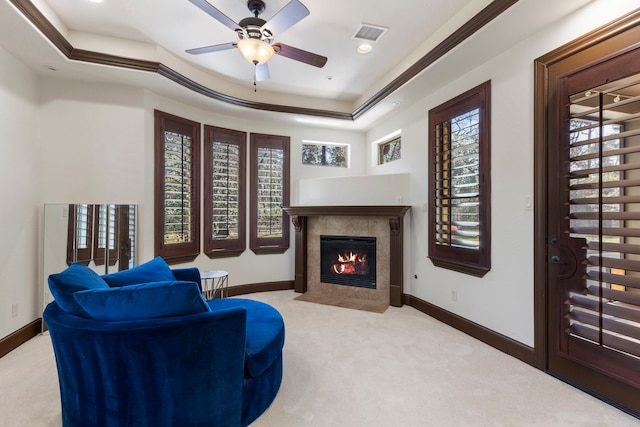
x=80, y=234
x=602, y=204
x=177, y=177
x=105, y=233
x=92, y=227
x=325, y=154
x=269, y=231
x=389, y=151
x=224, y=200
x=127, y=254
x=177, y=207
x=459, y=184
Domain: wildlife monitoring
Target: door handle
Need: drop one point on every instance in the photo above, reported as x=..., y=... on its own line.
x=565, y=260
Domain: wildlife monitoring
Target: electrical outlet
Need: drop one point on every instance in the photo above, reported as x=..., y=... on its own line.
x=14, y=310
x=454, y=296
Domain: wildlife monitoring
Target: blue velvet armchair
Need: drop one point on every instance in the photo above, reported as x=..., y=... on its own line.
x=157, y=354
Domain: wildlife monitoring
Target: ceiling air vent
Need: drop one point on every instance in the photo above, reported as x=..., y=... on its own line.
x=370, y=33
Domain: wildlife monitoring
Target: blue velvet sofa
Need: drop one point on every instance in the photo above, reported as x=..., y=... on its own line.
x=142, y=347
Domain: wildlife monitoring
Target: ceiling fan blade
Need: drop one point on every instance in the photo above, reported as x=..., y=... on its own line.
x=300, y=55
x=262, y=72
x=209, y=49
x=286, y=17
x=206, y=7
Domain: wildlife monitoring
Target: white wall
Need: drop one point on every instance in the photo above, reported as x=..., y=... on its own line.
x=87, y=142
x=247, y=268
x=19, y=176
x=503, y=299
x=98, y=142
x=389, y=189
x=91, y=137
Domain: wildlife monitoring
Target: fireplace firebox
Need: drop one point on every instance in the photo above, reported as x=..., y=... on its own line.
x=348, y=260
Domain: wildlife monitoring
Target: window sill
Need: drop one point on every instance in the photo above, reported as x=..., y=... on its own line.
x=460, y=267
x=224, y=253
x=262, y=250
x=178, y=259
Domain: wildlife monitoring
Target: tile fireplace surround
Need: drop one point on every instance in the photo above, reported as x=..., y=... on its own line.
x=385, y=223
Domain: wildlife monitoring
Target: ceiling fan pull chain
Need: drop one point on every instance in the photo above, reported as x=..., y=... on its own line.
x=255, y=85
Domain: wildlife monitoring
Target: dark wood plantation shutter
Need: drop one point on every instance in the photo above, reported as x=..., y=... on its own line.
x=128, y=252
x=178, y=179
x=225, y=188
x=224, y=217
x=460, y=182
x=602, y=315
x=269, y=193
x=106, y=230
x=177, y=204
x=80, y=234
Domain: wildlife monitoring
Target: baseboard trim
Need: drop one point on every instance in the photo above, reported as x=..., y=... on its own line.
x=19, y=337
x=260, y=287
x=498, y=341
x=24, y=334
x=501, y=342
x=492, y=338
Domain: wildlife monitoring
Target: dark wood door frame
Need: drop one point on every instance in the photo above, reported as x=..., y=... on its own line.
x=615, y=36
x=607, y=41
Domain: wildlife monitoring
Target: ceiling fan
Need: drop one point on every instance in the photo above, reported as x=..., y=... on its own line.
x=256, y=35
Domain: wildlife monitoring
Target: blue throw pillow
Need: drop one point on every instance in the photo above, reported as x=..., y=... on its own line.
x=143, y=301
x=155, y=270
x=78, y=277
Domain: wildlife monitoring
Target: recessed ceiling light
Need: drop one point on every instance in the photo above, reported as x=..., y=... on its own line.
x=396, y=103
x=329, y=78
x=364, y=48
x=95, y=1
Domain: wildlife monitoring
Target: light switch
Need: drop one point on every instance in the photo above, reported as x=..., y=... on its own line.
x=528, y=203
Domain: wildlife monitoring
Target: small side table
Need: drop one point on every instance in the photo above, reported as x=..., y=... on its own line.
x=213, y=281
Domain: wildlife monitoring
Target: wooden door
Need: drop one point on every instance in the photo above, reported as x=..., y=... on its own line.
x=593, y=230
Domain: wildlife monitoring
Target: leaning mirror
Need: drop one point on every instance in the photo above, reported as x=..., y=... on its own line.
x=101, y=236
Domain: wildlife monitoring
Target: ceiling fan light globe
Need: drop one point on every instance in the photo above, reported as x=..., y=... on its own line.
x=255, y=51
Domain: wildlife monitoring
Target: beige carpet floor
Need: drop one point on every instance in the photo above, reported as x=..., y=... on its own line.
x=345, y=367
x=356, y=304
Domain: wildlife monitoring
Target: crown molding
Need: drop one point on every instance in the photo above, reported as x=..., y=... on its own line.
x=48, y=30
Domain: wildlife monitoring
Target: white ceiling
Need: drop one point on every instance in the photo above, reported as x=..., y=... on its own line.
x=161, y=30
x=178, y=25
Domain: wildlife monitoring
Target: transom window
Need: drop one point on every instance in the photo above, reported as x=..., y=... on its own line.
x=390, y=151
x=325, y=154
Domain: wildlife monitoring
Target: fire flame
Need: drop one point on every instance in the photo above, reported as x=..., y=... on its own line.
x=350, y=263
